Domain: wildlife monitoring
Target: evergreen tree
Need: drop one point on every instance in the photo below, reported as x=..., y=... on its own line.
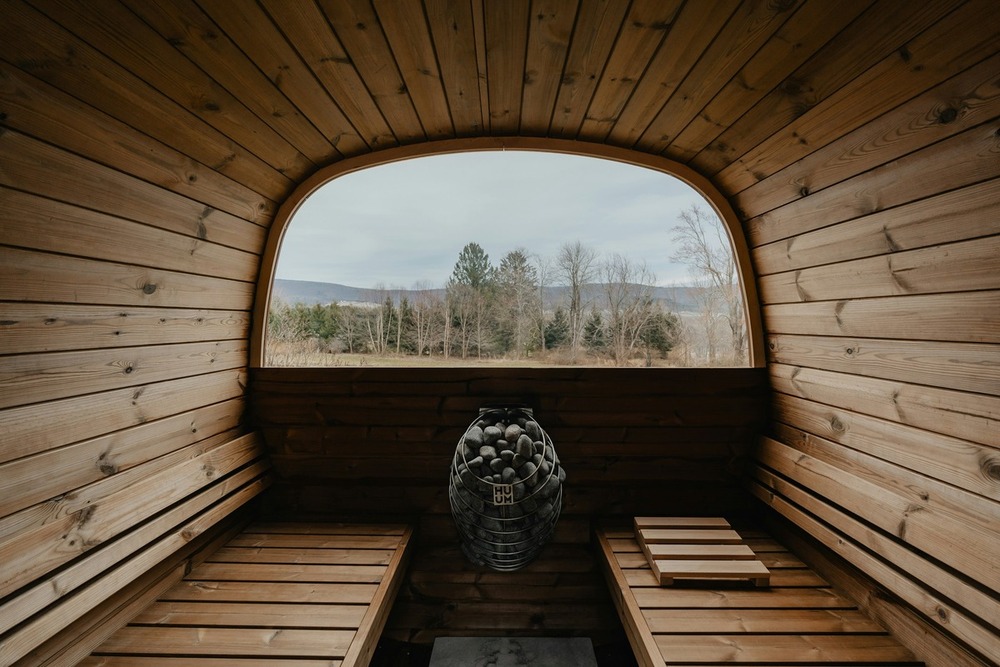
x=593, y=332
x=473, y=268
x=557, y=330
x=470, y=292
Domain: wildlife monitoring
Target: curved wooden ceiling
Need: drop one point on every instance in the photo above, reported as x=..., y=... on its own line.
x=266, y=92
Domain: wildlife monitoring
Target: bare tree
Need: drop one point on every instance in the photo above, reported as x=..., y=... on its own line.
x=516, y=281
x=703, y=245
x=543, y=270
x=629, y=302
x=378, y=323
x=576, y=266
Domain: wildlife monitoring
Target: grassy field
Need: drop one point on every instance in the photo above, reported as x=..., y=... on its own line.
x=305, y=354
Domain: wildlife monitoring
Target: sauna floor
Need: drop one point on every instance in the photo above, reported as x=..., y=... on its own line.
x=799, y=619
x=281, y=595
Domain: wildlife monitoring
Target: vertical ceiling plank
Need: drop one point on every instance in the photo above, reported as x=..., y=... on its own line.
x=249, y=27
x=692, y=31
x=548, y=43
x=597, y=27
x=479, y=26
x=745, y=32
x=506, y=45
x=451, y=23
x=409, y=37
x=358, y=29
x=647, y=23
x=117, y=34
x=332, y=67
x=808, y=30
x=189, y=30
x=63, y=61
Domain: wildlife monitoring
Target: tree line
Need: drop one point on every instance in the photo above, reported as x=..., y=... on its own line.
x=606, y=308
x=494, y=311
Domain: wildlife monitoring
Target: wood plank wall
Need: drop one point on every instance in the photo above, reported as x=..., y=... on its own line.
x=145, y=147
x=876, y=240
x=378, y=442
x=127, y=273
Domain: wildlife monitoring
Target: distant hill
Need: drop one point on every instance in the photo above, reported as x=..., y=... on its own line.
x=677, y=299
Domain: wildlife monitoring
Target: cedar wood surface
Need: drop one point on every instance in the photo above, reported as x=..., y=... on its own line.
x=145, y=149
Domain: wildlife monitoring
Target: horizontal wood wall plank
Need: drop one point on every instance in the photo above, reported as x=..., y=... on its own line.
x=36, y=541
x=38, y=109
x=956, y=267
x=34, y=378
x=96, y=583
x=48, y=474
x=96, y=79
x=43, y=327
x=965, y=464
x=969, y=508
x=935, y=608
x=33, y=276
x=959, y=161
x=81, y=232
x=807, y=30
x=947, y=536
x=963, y=367
x=969, y=212
x=54, y=173
x=39, y=427
x=880, y=72
x=958, y=104
x=126, y=40
x=972, y=317
x=955, y=413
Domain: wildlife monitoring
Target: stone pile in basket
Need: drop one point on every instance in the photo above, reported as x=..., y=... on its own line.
x=505, y=488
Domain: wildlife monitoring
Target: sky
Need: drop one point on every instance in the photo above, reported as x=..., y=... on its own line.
x=404, y=224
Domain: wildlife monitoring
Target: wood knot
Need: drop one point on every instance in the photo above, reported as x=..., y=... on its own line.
x=947, y=115
x=837, y=425
x=990, y=468
x=148, y=288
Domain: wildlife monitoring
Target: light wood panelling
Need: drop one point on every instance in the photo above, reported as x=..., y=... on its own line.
x=849, y=56
x=144, y=149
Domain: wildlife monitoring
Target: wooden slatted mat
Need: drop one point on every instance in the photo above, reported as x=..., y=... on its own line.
x=276, y=594
x=798, y=620
x=681, y=548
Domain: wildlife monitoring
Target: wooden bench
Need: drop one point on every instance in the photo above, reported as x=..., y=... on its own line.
x=276, y=594
x=798, y=619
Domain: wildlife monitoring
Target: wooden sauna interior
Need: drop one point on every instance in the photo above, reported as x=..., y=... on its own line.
x=150, y=155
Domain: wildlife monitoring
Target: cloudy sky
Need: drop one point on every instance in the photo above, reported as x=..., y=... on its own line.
x=405, y=223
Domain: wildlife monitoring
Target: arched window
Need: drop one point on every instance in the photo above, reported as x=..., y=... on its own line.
x=514, y=257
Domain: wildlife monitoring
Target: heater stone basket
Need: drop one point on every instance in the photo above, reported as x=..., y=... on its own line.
x=505, y=488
